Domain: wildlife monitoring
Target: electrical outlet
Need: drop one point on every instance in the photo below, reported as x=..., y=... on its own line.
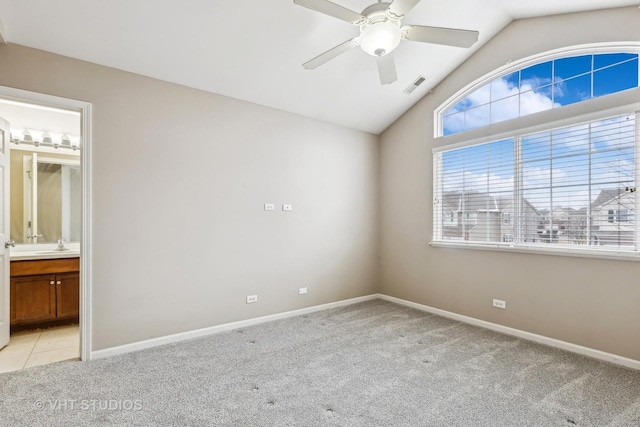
x=252, y=298
x=302, y=291
x=287, y=207
x=498, y=303
x=269, y=207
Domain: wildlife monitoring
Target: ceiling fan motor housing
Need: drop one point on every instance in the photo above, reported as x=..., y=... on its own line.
x=380, y=34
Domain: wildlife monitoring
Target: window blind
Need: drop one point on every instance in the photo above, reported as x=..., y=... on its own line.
x=569, y=188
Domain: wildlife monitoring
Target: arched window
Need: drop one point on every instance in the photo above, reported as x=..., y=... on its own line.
x=537, y=86
x=561, y=181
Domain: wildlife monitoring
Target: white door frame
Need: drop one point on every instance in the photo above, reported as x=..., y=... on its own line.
x=5, y=231
x=85, y=163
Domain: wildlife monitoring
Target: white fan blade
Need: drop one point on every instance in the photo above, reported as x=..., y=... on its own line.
x=332, y=9
x=387, y=69
x=399, y=8
x=330, y=54
x=439, y=35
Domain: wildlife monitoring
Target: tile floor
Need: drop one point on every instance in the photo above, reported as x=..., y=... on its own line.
x=40, y=347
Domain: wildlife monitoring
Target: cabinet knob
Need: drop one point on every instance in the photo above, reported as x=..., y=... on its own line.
x=52, y=282
x=58, y=282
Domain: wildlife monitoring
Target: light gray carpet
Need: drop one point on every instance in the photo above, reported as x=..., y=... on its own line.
x=369, y=364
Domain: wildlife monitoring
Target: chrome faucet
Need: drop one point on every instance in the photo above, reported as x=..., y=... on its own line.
x=61, y=246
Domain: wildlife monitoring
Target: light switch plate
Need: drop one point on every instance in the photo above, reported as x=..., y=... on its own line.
x=287, y=207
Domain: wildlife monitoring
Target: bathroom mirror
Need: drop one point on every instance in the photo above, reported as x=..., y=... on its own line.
x=45, y=198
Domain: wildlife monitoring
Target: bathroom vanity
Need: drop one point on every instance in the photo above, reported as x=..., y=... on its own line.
x=44, y=291
x=45, y=209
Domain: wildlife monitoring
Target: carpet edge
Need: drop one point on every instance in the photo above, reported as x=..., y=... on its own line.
x=529, y=336
x=197, y=333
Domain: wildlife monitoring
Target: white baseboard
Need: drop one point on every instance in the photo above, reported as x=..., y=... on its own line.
x=574, y=348
x=169, y=339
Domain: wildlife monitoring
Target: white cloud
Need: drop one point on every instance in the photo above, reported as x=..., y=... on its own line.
x=508, y=102
x=482, y=182
x=613, y=170
x=617, y=131
x=573, y=137
x=536, y=185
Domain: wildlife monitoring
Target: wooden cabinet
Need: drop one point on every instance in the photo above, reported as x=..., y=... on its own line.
x=33, y=299
x=67, y=295
x=44, y=291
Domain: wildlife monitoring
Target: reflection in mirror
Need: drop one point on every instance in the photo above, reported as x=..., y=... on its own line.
x=45, y=198
x=56, y=204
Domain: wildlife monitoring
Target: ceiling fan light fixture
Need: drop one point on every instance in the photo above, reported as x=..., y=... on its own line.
x=380, y=38
x=381, y=32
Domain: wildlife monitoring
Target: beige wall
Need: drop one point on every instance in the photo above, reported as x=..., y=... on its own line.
x=595, y=303
x=180, y=176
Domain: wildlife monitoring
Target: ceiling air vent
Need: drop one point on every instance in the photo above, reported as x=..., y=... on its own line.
x=414, y=85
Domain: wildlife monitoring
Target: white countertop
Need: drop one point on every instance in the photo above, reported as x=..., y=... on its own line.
x=43, y=254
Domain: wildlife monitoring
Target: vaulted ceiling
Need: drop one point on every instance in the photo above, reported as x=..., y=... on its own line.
x=254, y=50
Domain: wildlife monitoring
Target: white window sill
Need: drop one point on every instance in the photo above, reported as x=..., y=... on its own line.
x=541, y=250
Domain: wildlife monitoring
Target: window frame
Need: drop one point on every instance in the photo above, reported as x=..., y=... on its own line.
x=592, y=110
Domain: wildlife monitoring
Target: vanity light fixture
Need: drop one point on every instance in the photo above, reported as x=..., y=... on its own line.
x=68, y=142
x=65, y=140
x=36, y=136
x=46, y=139
x=26, y=137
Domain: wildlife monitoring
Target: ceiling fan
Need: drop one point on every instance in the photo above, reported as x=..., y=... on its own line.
x=381, y=32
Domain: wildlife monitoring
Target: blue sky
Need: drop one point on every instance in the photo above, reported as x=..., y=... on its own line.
x=543, y=86
x=599, y=154
x=558, y=158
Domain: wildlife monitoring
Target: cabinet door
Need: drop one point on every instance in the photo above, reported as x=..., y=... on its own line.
x=68, y=295
x=33, y=299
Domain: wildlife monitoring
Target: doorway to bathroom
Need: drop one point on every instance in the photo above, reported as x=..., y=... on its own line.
x=45, y=292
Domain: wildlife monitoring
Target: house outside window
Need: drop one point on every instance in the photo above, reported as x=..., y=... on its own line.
x=449, y=218
x=620, y=215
